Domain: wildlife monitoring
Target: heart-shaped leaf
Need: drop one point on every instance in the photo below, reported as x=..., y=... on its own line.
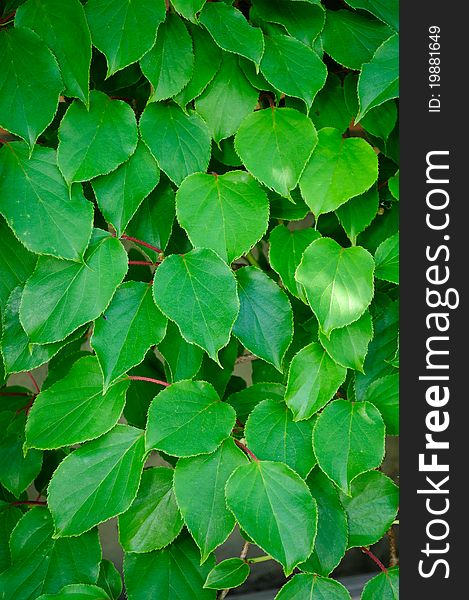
x=229, y=573
x=304, y=586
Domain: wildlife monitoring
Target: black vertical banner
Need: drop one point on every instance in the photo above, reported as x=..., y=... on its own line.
x=434, y=398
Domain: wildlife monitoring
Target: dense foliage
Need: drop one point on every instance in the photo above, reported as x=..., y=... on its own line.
x=198, y=236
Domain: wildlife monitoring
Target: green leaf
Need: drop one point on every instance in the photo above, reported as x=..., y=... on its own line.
x=153, y=519
x=257, y=494
x=64, y=29
x=305, y=586
x=303, y=20
x=227, y=100
x=17, y=471
x=74, y=409
x=313, y=380
x=227, y=213
x=120, y=193
x=232, y=32
x=188, y=8
x=124, y=30
x=246, y=400
x=371, y=508
x=42, y=564
x=218, y=374
x=384, y=394
x=352, y=38
x=385, y=10
x=133, y=323
x=174, y=572
x=338, y=282
x=198, y=280
x=105, y=475
x=348, y=345
x=291, y=209
x=207, y=59
x=286, y=248
x=153, y=221
x=77, y=591
x=393, y=184
x=28, y=64
x=109, y=579
x=46, y=216
x=183, y=359
x=272, y=434
x=205, y=512
x=387, y=259
x=329, y=108
x=356, y=214
x=332, y=536
x=169, y=65
x=9, y=517
x=275, y=145
x=262, y=303
x=180, y=142
x=16, y=263
x=96, y=141
x=326, y=182
x=71, y=294
x=227, y=574
x=293, y=68
x=379, y=79
x=199, y=410
x=384, y=586
x=348, y=440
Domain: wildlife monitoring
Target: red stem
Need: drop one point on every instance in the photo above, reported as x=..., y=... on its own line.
x=29, y=502
x=15, y=394
x=31, y=376
x=7, y=17
x=141, y=242
x=246, y=450
x=141, y=262
x=374, y=558
x=150, y=379
x=27, y=407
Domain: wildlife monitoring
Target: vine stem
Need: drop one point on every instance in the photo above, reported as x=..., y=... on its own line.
x=259, y=559
x=393, y=558
x=15, y=394
x=28, y=503
x=142, y=262
x=150, y=379
x=31, y=376
x=246, y=450
x=242, y=556
x=141, y=242
x=374, y=558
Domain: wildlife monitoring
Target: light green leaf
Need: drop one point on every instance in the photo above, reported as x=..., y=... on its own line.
x=207, y=59
x=246, y=400
x=169, y=65
x=348, y=440
x=257, y=494
x=45, y=215
x=227, y=574
x=263, y=303
x=292, y=67
x=338, y=282
x=205, y=513
x=393, y=184
x=305, y=586
x=63, y=27
x=326, y=182
x=356, y=214
x=227, y=100
x=74, y=409
x=96, y=141
x=109, y=579
x=188, y=8
x=180, y=142
x=124, y=30
x=42, y=564
x=17, y=471
x=384, y=394
x=371, y=508
x=105, y=475
x=384, y=586
x=386, y=10
x=286, y=248
x=332, y=536
x=198, y=279
x=352, y=38
x=199, y=410
x=133, y=323
x=120, y=193
x=348, y=345
x=227, y=213
x=174, y=572
x=77, y=591
x=183, y=359
x=379, y=78
x=71, y=294
x=275, y=145
x=387, y=259
x=153, y=519
x=272, y=434
x=313, y=380
x=230, y=30
x=28, y=64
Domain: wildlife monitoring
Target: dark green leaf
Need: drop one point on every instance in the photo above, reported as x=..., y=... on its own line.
x=305, y=587
x=384, y=586
x=386, y=10
x=109, y=579
x=183, y=359
x=384, y=394
x=246, y=400
x=356, y=214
